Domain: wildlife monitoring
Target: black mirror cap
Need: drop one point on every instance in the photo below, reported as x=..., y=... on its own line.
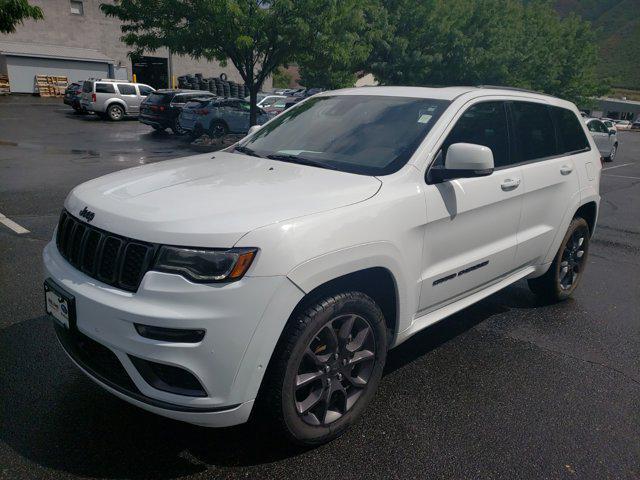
x=439, y=174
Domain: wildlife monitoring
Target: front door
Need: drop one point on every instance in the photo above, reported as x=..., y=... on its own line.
x=470, y=238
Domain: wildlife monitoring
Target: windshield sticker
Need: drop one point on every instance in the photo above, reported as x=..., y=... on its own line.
x=424, y=118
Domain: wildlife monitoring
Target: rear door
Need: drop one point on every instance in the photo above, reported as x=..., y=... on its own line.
x=470, y=238
x=548, y=141
x=129, y=94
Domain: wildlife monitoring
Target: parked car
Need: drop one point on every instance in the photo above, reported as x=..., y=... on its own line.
x=635, y=125
x=218, y=117
x=277, y=274
x=623, y=125
x=606, y=139
x=610, y=124
x=269, y=100
x=72, y=96
x=113, y=99
x=282, y=105
x=162, y=108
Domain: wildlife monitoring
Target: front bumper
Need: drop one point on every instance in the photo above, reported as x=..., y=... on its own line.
x=228, y=362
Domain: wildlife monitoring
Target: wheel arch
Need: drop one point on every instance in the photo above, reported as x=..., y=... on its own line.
x=588, y=211
x=117, y=101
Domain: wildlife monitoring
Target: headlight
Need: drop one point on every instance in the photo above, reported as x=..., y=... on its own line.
x=205, y=265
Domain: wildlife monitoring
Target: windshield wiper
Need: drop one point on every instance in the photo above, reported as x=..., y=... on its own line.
x=247, y=151
x=301, y=160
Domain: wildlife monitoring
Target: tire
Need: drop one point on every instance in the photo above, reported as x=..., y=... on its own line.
x=567, y=268
x=177, y=129
x=218, y=129
x=115, y=112
x=301, y=412
x=613, y=153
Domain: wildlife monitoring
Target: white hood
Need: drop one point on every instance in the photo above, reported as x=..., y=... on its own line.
x=213, y=199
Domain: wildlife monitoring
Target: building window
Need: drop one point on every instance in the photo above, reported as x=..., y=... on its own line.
x=76, y=7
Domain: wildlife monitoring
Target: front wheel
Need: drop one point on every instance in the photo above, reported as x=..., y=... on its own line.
x=326, y=368
x=567, y=268
x=613, y=153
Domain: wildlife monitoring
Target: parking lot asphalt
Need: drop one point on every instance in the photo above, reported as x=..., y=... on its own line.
x=508, y=388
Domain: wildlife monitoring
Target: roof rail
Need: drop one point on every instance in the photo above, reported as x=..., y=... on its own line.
x=515, y=89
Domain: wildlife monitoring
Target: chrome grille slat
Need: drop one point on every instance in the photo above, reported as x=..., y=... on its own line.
x=113, y=259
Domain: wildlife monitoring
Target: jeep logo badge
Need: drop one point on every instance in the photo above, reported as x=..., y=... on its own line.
x=88, y=214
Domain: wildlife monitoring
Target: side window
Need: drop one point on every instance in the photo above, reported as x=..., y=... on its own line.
x=571, y=136
x=601, y=127
x=245, y=106
x=125, y=89
x=483, y=124
x=593, y=126
x=534, y=131
x=144, y=90
x=105, y=88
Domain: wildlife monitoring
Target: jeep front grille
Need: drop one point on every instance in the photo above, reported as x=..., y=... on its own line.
x=110, y=258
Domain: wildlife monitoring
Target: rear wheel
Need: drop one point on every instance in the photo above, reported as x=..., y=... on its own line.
x=326, y=368
x=567, y=268
x=115, y=113
x=218, y=129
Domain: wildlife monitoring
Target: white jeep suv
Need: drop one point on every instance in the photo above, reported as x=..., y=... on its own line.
x=278, y=273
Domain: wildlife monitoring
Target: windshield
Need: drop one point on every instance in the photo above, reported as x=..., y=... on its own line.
x=365, y=134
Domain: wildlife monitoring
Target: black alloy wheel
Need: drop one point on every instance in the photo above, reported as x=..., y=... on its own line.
x=325, y=368
x=334, y=370
x=572, y=259
x=567, y=268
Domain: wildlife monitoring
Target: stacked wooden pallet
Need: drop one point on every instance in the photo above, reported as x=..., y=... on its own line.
x=51, y=85
x=4, y=85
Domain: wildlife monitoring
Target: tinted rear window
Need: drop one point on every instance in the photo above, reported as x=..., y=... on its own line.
x=571, y=136
x=159, y=98
x=534, y=131
x=125, y=89
x=105, y=88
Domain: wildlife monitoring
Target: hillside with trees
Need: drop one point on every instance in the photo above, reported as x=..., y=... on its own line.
x=618, y=33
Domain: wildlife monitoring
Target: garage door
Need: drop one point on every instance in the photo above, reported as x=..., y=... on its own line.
x=22, y=71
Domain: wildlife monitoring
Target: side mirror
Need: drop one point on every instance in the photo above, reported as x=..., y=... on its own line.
x=463, y=160
x=254, y=129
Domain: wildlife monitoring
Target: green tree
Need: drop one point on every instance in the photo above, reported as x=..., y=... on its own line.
x=492, y=42
x=343, y=46
x=256, y=36
x=13, y=12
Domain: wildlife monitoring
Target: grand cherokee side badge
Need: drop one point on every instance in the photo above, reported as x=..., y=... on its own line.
x=88, y=214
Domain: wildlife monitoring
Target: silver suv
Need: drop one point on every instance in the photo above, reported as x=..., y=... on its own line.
x=113, y=99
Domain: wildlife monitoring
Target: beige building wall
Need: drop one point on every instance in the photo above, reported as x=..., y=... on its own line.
x=96, y=31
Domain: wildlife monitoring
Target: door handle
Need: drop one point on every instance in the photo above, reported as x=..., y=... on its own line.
x=566, y=169
x=510, y=184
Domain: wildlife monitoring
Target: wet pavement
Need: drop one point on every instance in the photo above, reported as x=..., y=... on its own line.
x=508, y=388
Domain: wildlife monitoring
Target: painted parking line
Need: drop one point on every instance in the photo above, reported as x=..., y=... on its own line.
x=7, y=222
x=618, y=166
x=620, y=176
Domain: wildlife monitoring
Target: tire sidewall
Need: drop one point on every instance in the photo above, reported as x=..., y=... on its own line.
x=302, y=432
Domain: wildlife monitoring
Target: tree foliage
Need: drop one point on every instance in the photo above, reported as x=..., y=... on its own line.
x=343, y=46
x=13, y=12
x=257, y=36
x=493, y=42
